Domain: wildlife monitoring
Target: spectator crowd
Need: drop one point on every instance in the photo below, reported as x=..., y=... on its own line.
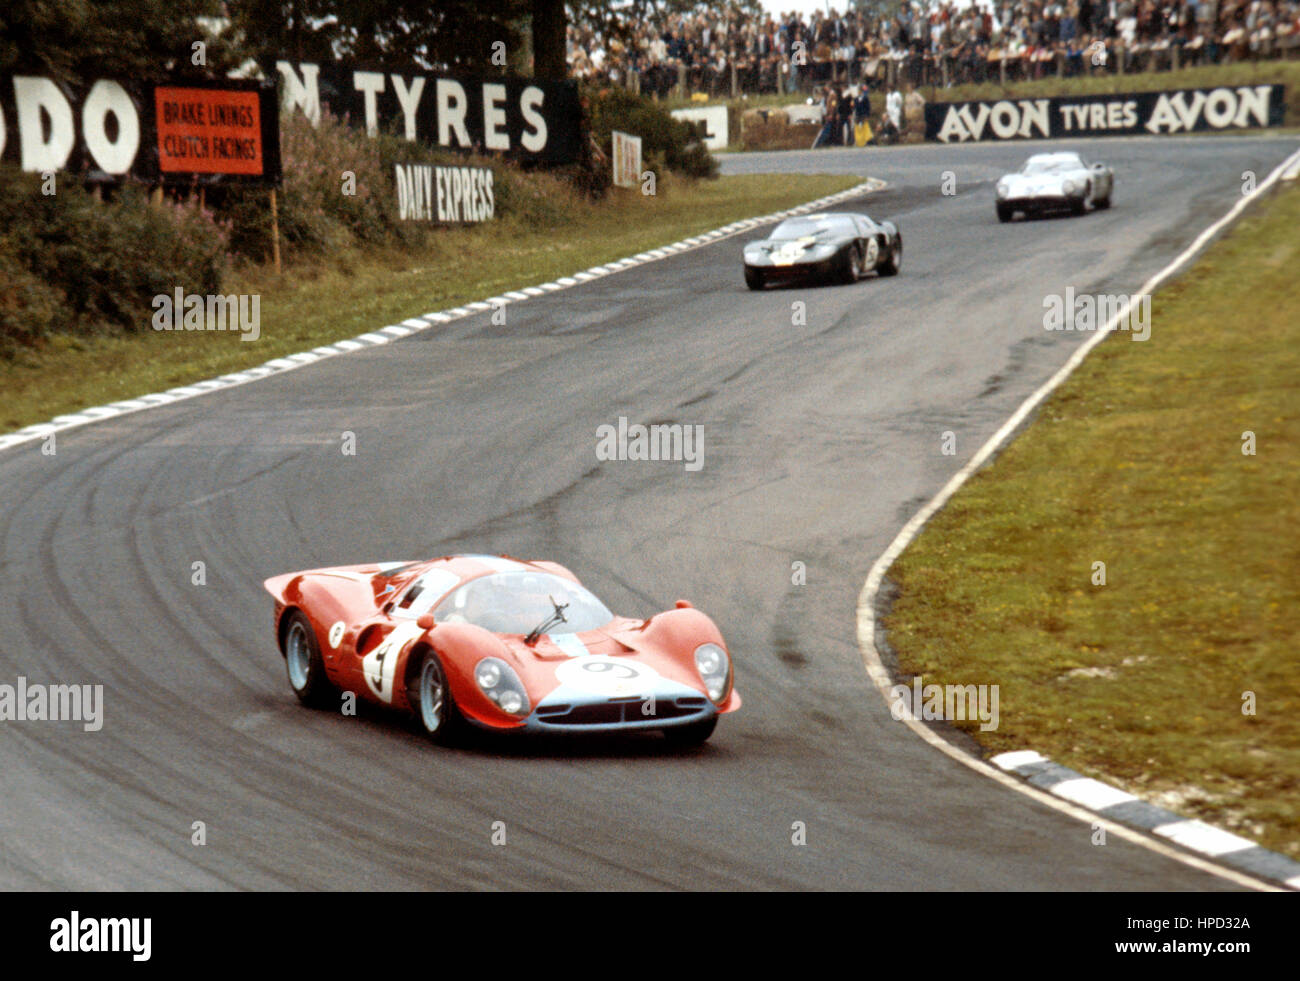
x=716, y=48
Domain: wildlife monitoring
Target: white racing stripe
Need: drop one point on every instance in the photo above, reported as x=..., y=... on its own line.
x=570, y=644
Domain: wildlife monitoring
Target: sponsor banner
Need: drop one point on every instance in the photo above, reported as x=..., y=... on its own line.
x=627, y=159
x=174, y=132
x=446, y=195
x=710, y=123
x=1133, y=114
x=521, y=117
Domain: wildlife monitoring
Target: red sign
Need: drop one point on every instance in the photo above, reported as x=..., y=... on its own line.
x=208, y=131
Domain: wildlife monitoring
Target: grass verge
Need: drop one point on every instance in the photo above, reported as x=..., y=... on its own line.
x=319, y=302
x=1137, y=462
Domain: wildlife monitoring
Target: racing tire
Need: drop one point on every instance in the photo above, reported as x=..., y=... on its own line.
x=430, y=696
x=893, y=262
x=303, y=662
x=1103, y=203
x=695, y=734
x=1004, y=213
x=754, y=279
x=851, y=270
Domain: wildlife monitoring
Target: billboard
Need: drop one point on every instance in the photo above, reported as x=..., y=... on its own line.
x=523, y=118
x=1131, y=114
x=178, y=132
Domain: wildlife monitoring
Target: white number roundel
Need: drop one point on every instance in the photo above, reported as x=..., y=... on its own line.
x=600, y=675
x=380, y=665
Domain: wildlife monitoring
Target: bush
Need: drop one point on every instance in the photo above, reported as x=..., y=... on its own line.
x=29, y=309
x=73, y=263
x=317, y=218
x=665, y=142
x=315, y=214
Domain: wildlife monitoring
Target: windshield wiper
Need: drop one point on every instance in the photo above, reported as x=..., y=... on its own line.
x=556, y=617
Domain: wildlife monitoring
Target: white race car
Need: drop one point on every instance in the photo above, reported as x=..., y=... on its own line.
x=1055, y=181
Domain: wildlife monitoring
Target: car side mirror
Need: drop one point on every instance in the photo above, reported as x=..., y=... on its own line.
x=426, y=621
x=1098, y=166
x=684, y=605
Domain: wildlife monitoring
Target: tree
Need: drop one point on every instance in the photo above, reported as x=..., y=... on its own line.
x=146, y=40
x=443, y=36
x=550, y=21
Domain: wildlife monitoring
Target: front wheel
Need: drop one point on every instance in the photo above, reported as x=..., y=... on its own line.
x=1103, y=203
x=1004, y=213
x=303, y=661
x=893, y=262
x=753, y=279
x=695, y=734
x=430, y=696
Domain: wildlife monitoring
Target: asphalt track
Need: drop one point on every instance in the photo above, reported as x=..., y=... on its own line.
x=819, y=441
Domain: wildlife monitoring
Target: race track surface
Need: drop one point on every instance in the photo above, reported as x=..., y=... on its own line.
x=819, y=442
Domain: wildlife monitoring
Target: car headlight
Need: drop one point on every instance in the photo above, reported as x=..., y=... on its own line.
x=1073, y=187
x=498, y=681
x=714, y=668
x=1003, y=189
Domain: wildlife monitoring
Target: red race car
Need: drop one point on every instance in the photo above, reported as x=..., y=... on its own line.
x=499, y=644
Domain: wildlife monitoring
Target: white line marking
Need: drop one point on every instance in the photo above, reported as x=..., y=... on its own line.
x=876, y=669
x=1091, y=793
x=1017, y=759
x=1204, y=838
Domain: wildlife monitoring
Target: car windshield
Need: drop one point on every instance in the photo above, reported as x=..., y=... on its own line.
x=802, y=227
x=516, y=602
x=1051, y=165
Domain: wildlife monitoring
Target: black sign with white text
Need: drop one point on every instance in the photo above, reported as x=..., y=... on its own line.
x=1132, y=114
x=518, y=117
x=181, y=132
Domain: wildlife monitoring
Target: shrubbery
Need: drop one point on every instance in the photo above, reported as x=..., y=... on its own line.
x=666, y=143
x=69, y=262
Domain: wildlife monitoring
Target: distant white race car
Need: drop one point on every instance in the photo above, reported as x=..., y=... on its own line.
x=1055, y=181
